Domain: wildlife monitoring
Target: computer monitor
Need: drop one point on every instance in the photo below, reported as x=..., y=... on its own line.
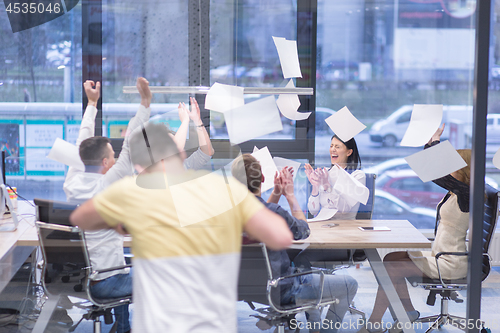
x=51, y=211
x=3, y=167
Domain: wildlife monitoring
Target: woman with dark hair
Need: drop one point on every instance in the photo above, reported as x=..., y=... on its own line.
x=344, y=156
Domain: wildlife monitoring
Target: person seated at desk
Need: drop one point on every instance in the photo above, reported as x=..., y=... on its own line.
x=343, y=155
x=186, y=228
x=453, y=219
x=248, y=170
x=106, y=247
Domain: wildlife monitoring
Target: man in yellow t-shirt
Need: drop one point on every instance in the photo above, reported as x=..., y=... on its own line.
x=186, y=231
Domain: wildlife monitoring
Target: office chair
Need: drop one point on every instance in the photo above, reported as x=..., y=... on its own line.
x=257, y=284
x=60, y=244
x=447, y=289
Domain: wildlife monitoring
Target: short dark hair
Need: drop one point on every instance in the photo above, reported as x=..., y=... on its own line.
x=353, y=160
x=93, y=150
x=151, y=143
x=248, y=171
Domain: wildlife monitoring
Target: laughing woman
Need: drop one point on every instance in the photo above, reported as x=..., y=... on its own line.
x=344, y=155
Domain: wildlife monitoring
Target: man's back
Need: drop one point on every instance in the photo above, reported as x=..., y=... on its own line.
x=186, y=244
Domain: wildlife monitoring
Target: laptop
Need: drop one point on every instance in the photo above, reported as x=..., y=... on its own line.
x=7, y=214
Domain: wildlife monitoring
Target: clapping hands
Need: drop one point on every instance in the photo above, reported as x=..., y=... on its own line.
x=283, y=182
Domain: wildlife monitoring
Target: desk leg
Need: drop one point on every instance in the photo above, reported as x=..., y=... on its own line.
x=46, y=314
x=383, y=279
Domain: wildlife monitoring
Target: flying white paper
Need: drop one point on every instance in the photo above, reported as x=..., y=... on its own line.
x=425, y=120
x=344, y=124
x=283, y=162
x=253, y=120
x=66, y=153
x=436, y=162
x=269, y=169
x=323, y=215
x=223, y=97
x=289, y=57
x=352, y=189
x=496, y=159
x=289, y=104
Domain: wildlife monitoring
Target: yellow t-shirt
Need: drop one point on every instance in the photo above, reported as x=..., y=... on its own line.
x=186, y=240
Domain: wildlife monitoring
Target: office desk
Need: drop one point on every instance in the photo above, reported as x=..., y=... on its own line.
x=13, y=256
x=347, y=236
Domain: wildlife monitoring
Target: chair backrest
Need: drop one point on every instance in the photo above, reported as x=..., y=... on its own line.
x=365, y=211
x=64, y=254
x=55, y=212
x=253, y=277
x=489, y=224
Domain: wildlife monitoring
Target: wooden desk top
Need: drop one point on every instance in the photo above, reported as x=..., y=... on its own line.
x=26, y=217
x=347, y=235
x=344, y=236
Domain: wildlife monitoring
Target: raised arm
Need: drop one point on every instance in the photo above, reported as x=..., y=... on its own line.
x=87, y=127
x=201, y=131
x=181, y=134
x=123, y=166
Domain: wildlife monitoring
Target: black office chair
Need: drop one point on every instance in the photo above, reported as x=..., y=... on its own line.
x=447, y=289
x=61, y=244
x=257, y=284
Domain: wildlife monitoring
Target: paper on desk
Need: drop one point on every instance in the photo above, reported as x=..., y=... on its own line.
x=496, y=159
x=66, y=153
x=289, y=57
x=344, y=124
x=283, y=162
x=253, y=120
x=436, y=162
x=323, y=215
x=223, y=97
x=269, y=169
x=353, y=191
x=425, y=120
x=289, y=104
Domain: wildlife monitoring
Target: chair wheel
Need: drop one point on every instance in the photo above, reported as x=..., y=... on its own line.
x=65, y=279
x=78, y=288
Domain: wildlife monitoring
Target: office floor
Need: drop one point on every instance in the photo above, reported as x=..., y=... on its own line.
x=63, y=319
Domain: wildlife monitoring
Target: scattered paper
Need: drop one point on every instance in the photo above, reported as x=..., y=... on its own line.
x=496, y=159
x=269, y=169
x=436, y=162
x=344, y=124
x=323, y=215
x=66, y=153
x=253, y=120
x=425, y=120
x=289, y=57
x=289, y=104
x=352, y=189
x=283, y=162
x=223, y=97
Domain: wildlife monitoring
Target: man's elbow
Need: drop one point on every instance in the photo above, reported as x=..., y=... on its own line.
x=281, y=240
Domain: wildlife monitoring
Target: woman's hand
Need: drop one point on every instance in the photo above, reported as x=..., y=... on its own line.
x=183, y=113
x=323, y=177
x=437, y=136
x=195, y=114
x=311, y=175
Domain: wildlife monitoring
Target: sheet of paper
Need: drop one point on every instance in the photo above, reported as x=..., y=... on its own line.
x=323, y=215
x=351, y=188
x=496, y=159
x=253, y=120
x=289, y=57
x=223, y=97
x=66, y=153
x=344, y=124
x=289, y=104
x=436, y=162
x=425, y=120
x=283, y=162
x=269, y=169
